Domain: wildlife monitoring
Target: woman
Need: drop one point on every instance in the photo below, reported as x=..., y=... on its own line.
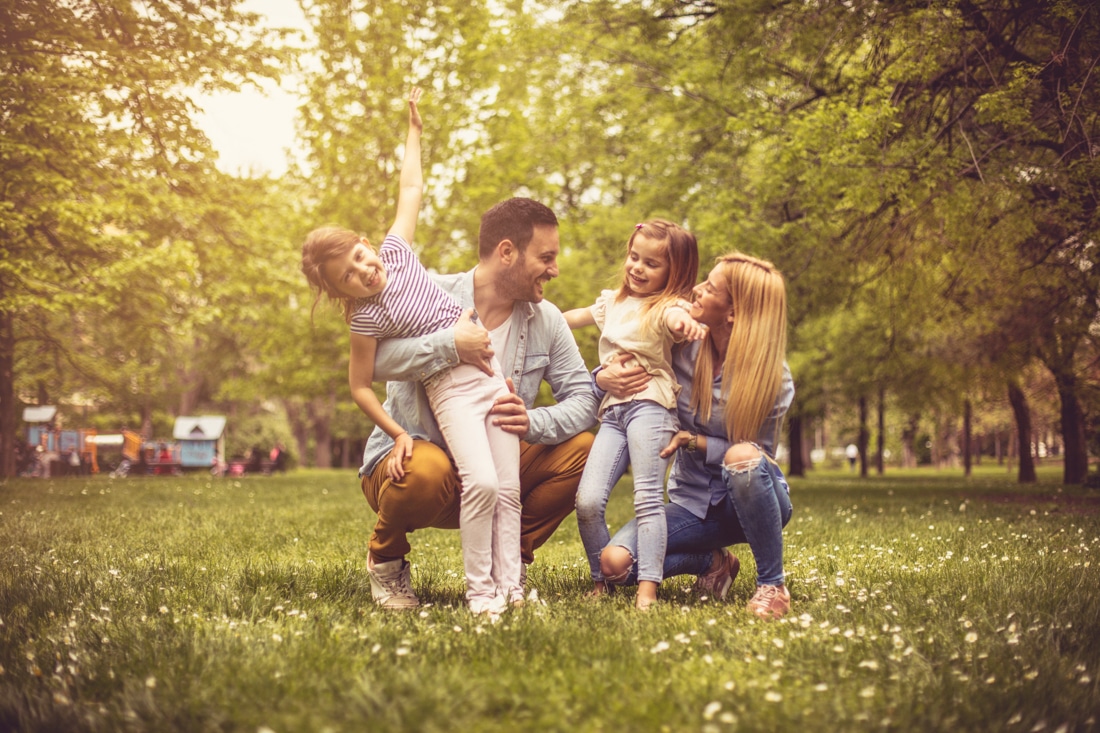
x=725, y=487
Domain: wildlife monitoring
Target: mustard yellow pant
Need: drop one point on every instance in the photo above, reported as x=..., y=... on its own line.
x=429, y=496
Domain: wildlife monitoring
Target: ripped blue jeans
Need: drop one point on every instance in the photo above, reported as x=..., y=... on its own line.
x=754, y=511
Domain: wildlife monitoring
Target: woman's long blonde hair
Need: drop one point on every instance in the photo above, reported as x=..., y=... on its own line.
x=753, y=371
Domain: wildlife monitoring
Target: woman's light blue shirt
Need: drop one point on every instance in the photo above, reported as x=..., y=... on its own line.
x=695, y=481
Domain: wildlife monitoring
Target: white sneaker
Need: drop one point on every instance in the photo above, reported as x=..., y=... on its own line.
x=391, y=585
x=490, y=608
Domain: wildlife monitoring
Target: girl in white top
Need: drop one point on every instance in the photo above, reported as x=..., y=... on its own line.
x=639, y=322
x=389, y=294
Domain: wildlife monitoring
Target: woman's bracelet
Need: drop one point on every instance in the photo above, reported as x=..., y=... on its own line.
x=693, y=442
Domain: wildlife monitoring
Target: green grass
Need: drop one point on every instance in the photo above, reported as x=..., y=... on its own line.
x=922, y=601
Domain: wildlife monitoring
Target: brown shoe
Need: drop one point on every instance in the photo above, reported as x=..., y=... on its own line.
x=770, y=601
x=719, y=577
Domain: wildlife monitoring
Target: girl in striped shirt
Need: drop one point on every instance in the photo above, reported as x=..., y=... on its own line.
x=389, y=294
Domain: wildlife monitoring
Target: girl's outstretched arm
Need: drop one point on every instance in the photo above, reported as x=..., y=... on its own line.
x=412, y=177
x=579, y=317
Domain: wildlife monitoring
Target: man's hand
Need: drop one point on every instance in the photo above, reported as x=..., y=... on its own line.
x=402, y=449
x=473, y=343
x=510, y=413
x=619, y=380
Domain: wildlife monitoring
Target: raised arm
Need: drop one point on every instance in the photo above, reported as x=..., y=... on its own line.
x=412, y=177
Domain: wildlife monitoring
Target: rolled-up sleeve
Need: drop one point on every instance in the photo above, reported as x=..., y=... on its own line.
x=571, y=384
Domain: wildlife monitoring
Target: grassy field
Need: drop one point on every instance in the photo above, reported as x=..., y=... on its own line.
x=922, y=601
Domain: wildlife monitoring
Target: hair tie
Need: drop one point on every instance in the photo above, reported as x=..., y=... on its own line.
x=638, y=226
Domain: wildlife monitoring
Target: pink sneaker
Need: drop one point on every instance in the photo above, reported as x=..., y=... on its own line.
x=770, y=601
x=718, y=579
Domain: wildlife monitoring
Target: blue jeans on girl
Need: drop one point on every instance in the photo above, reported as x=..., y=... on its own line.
x=632, y=433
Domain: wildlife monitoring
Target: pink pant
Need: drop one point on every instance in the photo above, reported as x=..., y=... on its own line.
x=488, y=466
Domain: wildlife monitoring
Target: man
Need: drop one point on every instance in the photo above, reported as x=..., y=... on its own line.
x=517, y=255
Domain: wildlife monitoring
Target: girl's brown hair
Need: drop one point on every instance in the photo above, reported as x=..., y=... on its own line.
x=321, y=246
x=753, y=370
x=682, y=252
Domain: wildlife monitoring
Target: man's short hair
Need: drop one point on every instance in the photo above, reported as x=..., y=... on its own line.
x=514, y=219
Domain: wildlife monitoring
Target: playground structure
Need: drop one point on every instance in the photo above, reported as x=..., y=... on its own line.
x=58, y=452
x=198, y=443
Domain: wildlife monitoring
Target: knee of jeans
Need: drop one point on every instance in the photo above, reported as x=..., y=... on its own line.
x=590, y=508
x=481, y=489
x=615, y=564
x=742, y=458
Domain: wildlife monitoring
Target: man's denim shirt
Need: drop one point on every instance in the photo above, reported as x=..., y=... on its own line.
x=540, y=346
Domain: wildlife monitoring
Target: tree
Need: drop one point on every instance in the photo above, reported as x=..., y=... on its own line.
x=101, y=161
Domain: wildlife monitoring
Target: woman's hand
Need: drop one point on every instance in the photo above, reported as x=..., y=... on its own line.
x=679, y=440
x=472, y=342
x=619, y=380
x=509, y=412
x=402, y=449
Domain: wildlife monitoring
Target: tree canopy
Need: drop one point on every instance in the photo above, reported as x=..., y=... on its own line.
x=925, y=175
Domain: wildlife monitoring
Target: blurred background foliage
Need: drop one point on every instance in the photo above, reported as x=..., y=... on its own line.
x=925, y=174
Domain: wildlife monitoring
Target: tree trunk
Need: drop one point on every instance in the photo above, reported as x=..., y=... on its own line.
x=7, y=395
x=1076, y=457
x=909, y=442
x=321, y=411
x=298, y=427
x=966, y=448
x=863, y=439
x=1020, y=409
x=146, y=422
x=795, y=439
x=880, y=452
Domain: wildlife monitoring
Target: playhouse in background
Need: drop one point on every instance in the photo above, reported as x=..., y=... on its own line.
x=201, y=441
x=197, y=442
x=59, y=451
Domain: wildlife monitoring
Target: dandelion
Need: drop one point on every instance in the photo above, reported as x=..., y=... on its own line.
x=401, y=651
x=659, y=647
x=163, y=609
x=778, y=643
x=971, y=637
x=773, y=696
x=820, y=687
x=151, y=682
x=711, y=710
x=870, y=664
x=729, y=686
x=276, y=637
x=867, y=691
